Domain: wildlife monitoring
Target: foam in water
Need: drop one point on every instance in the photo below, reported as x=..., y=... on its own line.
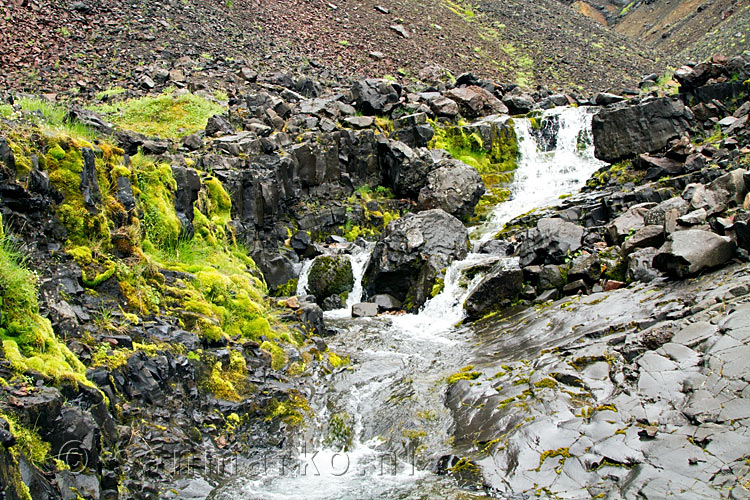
x=540, y=179
x=543, y=176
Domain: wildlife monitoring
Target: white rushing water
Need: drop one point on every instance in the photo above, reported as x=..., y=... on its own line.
x=539, y=181
x=399, y=362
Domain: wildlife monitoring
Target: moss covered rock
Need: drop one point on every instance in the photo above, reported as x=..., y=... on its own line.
x=330, y=275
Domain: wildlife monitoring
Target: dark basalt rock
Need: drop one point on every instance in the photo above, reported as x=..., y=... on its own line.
x=691, y=251
x=502, y=284
x=454, y=187
x=89, y=183
x=411, y=252
x=188, y=186
x=625, y=131
x=89, y=118
x=374, y=96
x=550, y=242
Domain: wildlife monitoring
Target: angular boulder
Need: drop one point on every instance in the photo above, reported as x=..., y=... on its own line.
x=375, y=96
x=632, y=220
x=411, y=253
x=454, y=187
x=629, y=130
x=691, y=251
x=330, y=275
x=502, y=284
x=404, y=171
x=550, y=242
x=364, y=309
x=475, y=101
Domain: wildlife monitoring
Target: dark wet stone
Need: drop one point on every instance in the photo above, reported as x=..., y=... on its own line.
x=550, y=242
x=502, y=283
x=648, y=236
x=690, y=251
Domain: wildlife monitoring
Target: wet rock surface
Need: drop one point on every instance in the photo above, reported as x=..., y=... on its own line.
x=564, y=406
x=410, y=254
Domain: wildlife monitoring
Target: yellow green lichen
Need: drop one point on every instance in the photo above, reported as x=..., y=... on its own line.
x=560, y=452
x=466, y=373
x=279, y=357
x=291, y=412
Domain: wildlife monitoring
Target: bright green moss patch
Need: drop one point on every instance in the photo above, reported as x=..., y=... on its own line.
x=228, y=382
x=495, y=160
x=27, y=441
x=169, y=115
x=155, y=188
x=466, y=373
x=335, y=360
x=27, y=338
x=64, y=162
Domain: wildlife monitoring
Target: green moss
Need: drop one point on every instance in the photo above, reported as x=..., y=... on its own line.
x=212, y=212
x=494, y=161
x=548, y=383
x=292, y=412
x=64, y=162
x=466, y=373
x=279, y=357
x=155, y=187
x=438, y=287
x=228, y=382
x=340, y=434
x=28, y=441
x=287, y=289
x=335, y=360
x=332, y=275
x=27, y=338
x=167, y=115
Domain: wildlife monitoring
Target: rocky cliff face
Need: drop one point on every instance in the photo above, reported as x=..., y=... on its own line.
x=139, y=257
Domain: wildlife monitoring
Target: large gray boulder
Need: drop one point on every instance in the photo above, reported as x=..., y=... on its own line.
x=330, y=275
x=691, y=251
x=475, y=101
x=412, y=252
x=404, y=171
x=502, y=284
x=550, y=242
x=375, y=96
x=629, y=130
x=453, y=186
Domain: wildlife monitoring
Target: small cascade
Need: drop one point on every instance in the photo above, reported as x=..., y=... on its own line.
x=359, y=256
x=540, y=179
x=304, y=276
x=389, y=393
x=543, y=176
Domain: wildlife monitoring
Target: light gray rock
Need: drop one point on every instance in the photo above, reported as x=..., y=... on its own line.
x=691, y=251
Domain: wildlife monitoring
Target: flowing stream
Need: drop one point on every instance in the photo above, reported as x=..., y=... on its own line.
x=380, y=423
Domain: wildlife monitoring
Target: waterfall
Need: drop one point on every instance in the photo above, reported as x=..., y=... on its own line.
x=540, y=179
x=394, y=389
x=542, y=176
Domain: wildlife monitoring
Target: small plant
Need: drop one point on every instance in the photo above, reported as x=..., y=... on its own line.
x=344, y=43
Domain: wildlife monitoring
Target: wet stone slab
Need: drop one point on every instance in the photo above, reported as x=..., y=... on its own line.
x=652, y=407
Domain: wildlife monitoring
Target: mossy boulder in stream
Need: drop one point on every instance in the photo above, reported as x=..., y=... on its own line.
x=330, y=275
